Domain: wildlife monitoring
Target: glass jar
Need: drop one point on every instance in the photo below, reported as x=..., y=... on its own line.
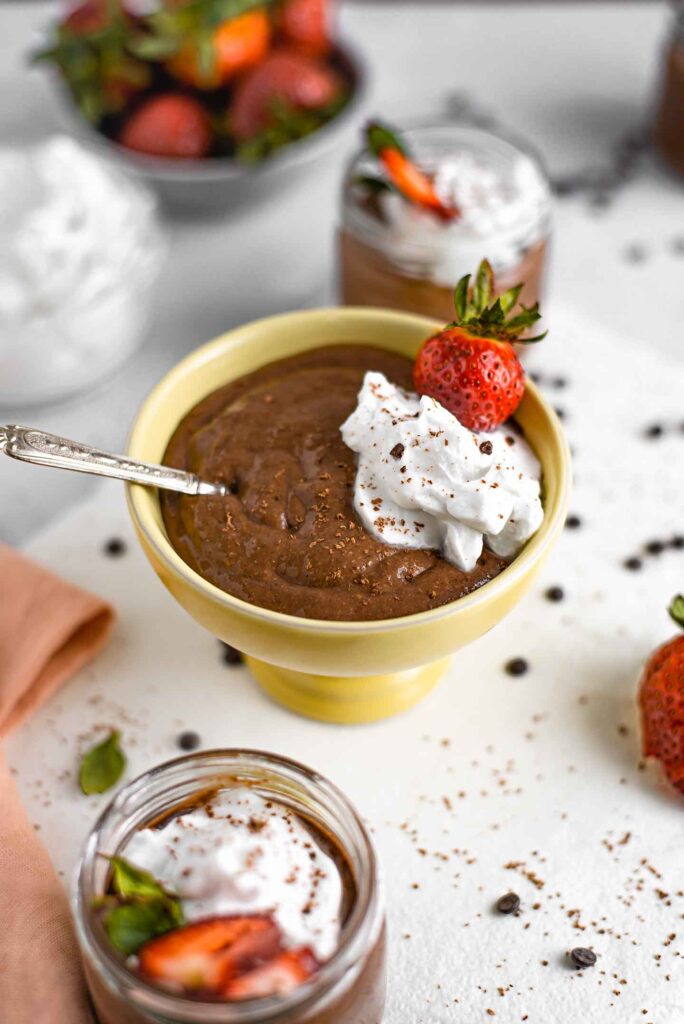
x=668, y=131
x=394, y=255
x=82, y=251
x=348, y=989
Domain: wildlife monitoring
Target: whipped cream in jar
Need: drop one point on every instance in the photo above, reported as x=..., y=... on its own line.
x=395, y=255
x=245, y=836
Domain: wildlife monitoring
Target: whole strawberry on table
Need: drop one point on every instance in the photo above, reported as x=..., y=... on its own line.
x=191, y=79
x=661, y=701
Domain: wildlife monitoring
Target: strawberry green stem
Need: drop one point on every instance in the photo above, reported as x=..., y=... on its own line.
x=677, y=610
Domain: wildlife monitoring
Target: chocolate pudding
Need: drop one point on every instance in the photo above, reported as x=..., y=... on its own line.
x=370, y=278
x=287, y=536
x=259, y=894
x=669, y=126
x=396, y=255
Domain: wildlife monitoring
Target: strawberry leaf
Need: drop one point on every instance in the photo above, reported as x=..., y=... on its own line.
x=677, y=610
x=130, y=925
x=380, y=137
x=102, y=766
x=481, y=316
x=128, y=880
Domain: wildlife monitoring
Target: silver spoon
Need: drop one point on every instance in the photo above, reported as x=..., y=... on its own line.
x=41, y=449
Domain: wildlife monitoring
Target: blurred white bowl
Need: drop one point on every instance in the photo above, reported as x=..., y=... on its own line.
x=82, y=249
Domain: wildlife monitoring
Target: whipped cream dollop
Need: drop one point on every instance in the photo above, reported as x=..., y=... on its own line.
x=504, y=201
x=426, y=481
x=240, y=853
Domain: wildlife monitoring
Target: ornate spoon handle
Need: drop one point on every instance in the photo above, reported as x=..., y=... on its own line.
x=31, y=445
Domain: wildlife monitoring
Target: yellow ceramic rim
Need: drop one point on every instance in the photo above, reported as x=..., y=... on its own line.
x=139, y=499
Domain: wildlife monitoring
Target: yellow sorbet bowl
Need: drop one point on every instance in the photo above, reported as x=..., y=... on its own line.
x=334, y=671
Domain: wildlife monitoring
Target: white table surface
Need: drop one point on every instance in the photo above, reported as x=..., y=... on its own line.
x=491, y=783
x=572, y=78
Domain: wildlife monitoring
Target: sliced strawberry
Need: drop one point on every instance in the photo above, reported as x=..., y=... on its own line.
x=170, y=125
x=304, y=24
x=404, y=174
x=278, y=977
x=301, y=81
x=237, y=44
x=204, y=954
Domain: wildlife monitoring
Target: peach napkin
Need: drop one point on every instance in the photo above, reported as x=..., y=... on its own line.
x=49, y=629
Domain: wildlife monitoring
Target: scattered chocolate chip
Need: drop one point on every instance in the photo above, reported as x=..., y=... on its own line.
x=397, y=451
x=635, y=253
x=582, y=957
x=677, y=542
x=115, y=547
x=535, y=378
x=573, y=522
x=231, y=655
x=677, y=245
x=486, y=447
x=633, y=564
x=559, y=382
x=655, y=547
x=188, y=740
x=555, y=594
x=508, y=904
x=516, y=667
x=560, y=413
x=655, y=430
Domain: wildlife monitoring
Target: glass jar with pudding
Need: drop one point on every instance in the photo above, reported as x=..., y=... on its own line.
x=669, y=126
x=397, y=254
x=232, y=887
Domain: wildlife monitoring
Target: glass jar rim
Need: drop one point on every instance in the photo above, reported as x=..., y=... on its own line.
x=359, y=932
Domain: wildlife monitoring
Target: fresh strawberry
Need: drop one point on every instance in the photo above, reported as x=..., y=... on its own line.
x=278, y=977
x=285, y=75
x=470, y=367
x=234, y=46
x=205, y=955
x=170, y=125
x=90, y=17
x=661, y=699
x=404, y=173
x=304, y=24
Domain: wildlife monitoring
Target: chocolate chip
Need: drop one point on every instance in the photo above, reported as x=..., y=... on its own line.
x=635, y=253
x=555, y=594
x=677, y=542
x=231, y=655
x=188, y=740
x=677, y=245
x=508, y=904
x=560, y=413
x=582, y=957
x=486, y=447
x=573, y=522
x=516, y=667
x=655, y=547
x=559, y=382
x=655, y=430
x=397, y=451
x=115, y=547
x=633, y=564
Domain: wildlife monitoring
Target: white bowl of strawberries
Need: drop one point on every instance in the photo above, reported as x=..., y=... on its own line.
x=206, y=99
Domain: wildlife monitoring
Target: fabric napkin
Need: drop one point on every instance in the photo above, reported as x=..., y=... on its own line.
x=49, y=629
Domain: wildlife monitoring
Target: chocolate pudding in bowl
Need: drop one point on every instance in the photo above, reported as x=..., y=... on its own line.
x=232, y=887
x=342, y=670
x=396, y=254
x=288, y=537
